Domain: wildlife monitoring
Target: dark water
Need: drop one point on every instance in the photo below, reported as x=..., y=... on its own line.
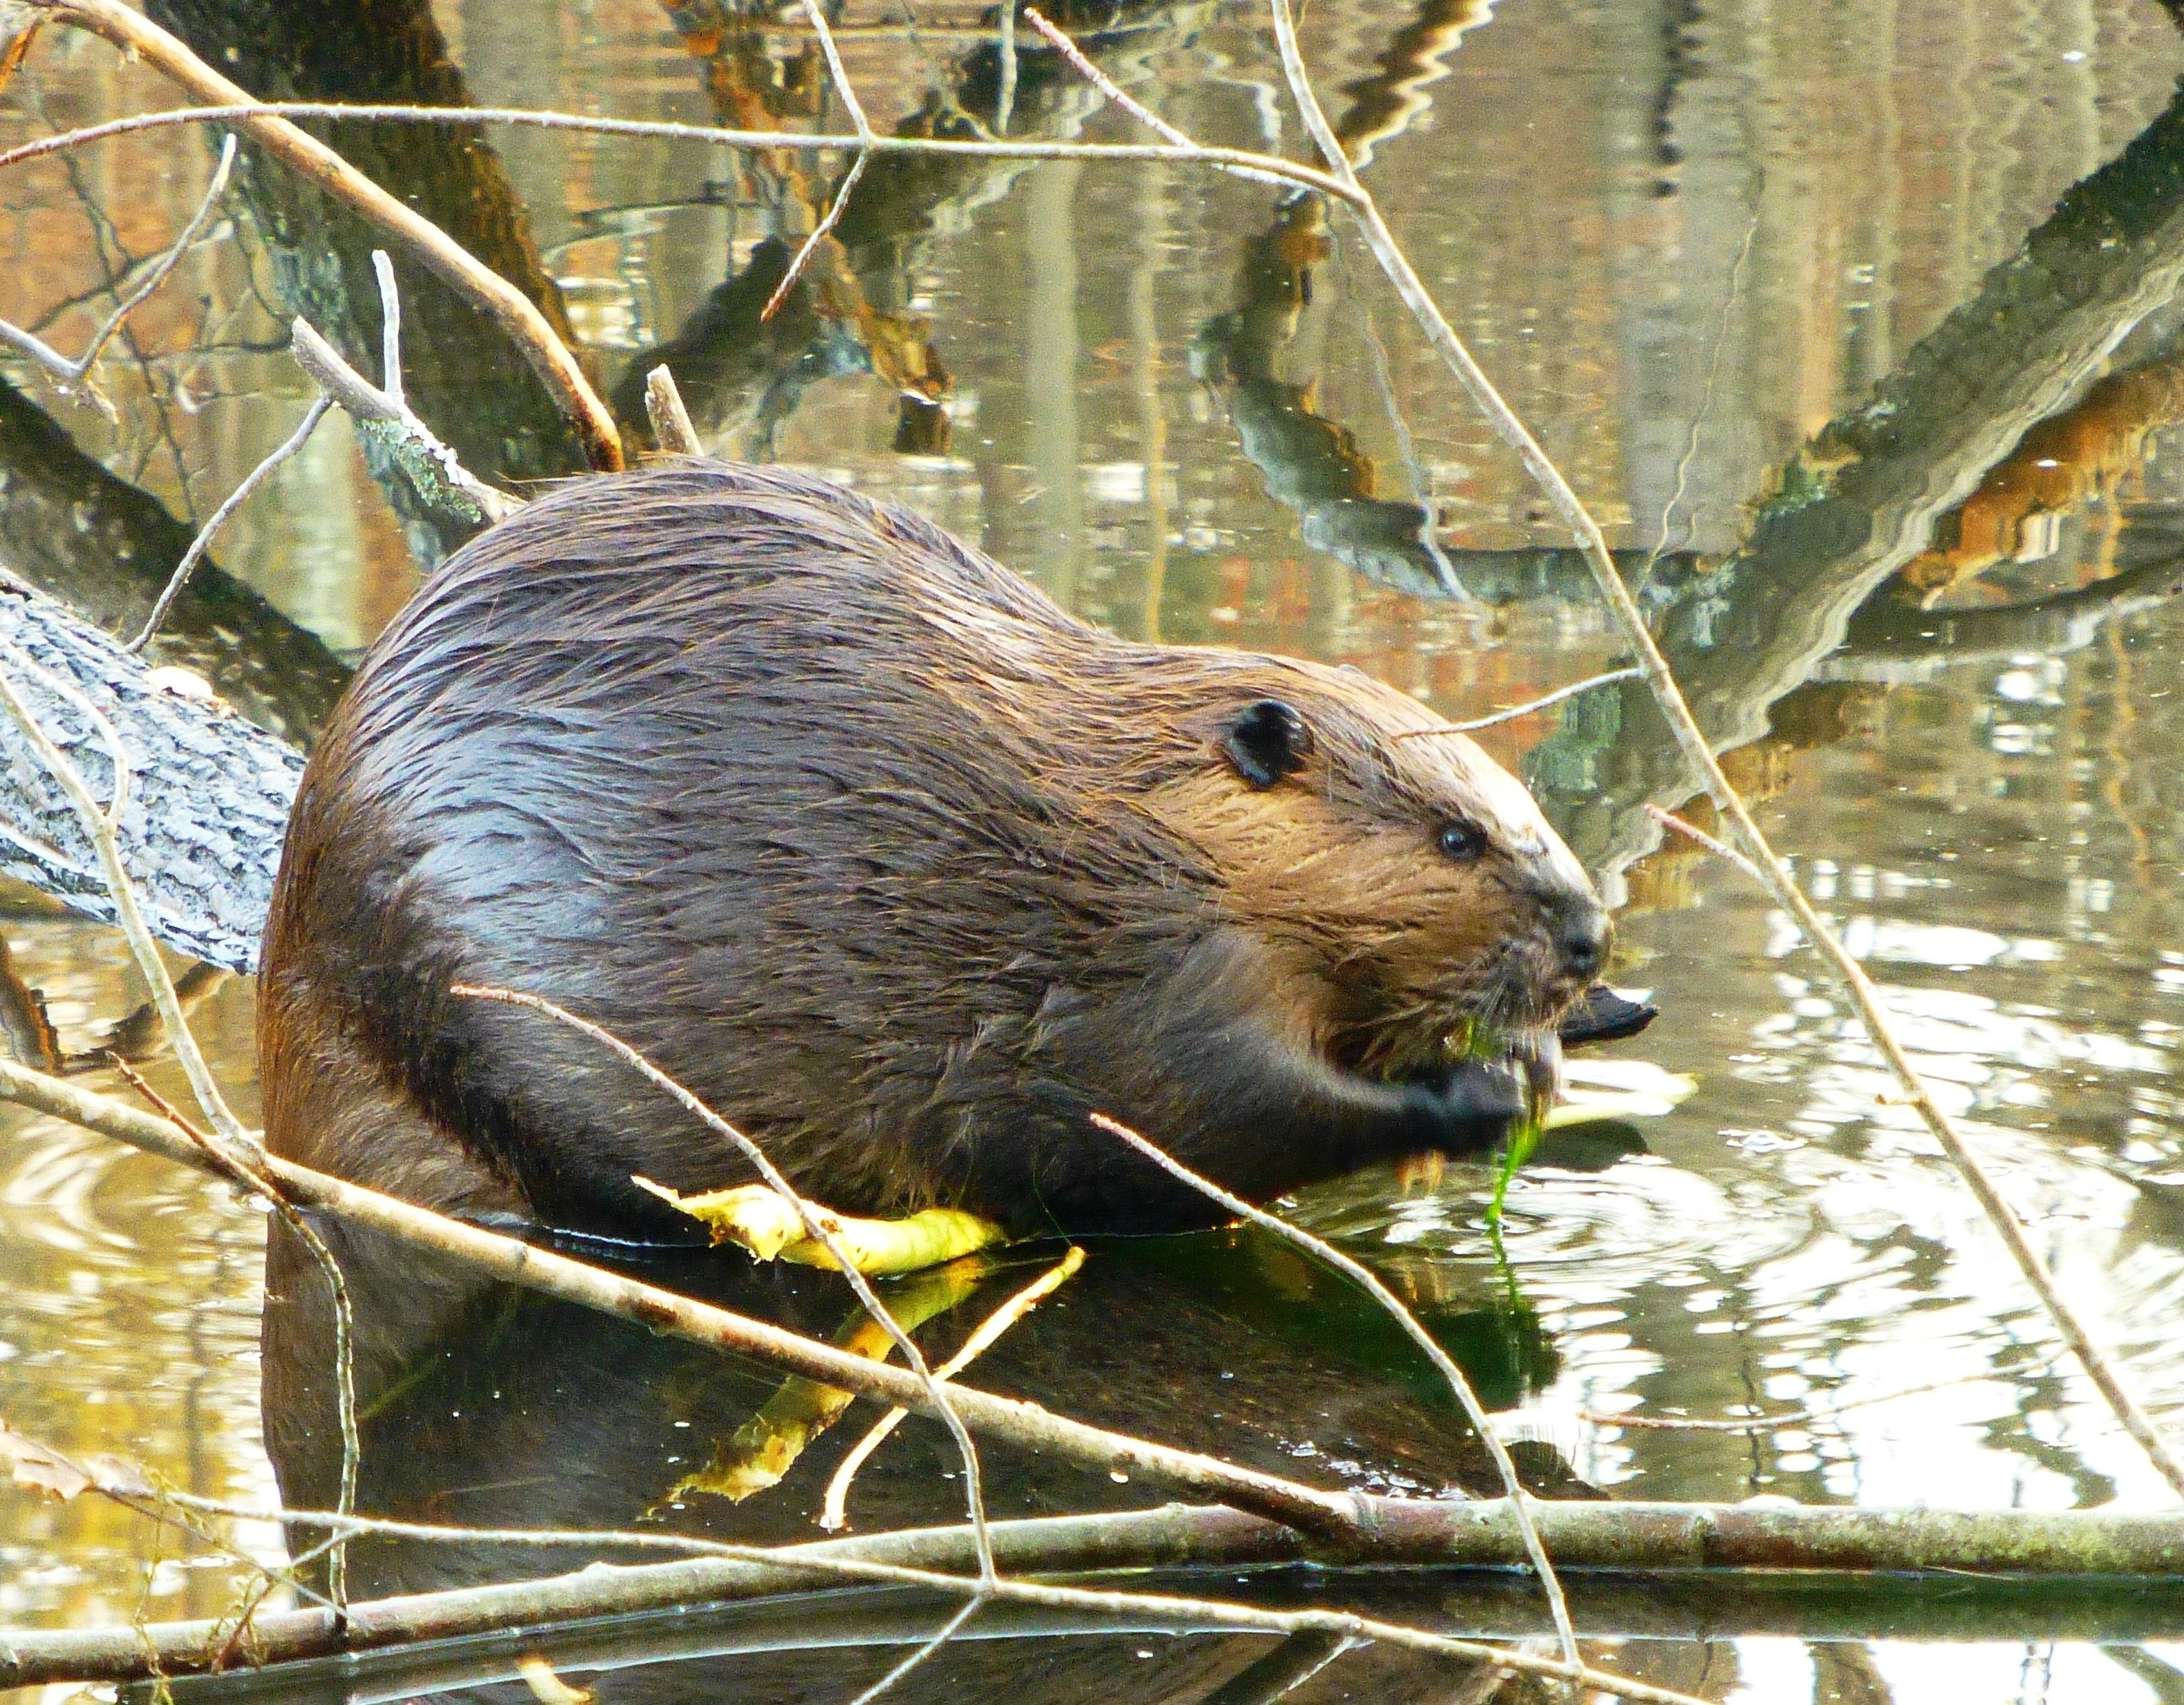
x=1744, y=268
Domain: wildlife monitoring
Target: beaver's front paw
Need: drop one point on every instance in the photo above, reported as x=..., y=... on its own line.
x=1467, y=1106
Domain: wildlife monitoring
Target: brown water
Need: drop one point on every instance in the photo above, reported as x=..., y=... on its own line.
x=1685, y=236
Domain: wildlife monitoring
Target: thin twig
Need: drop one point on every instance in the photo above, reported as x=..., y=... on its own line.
x=1720, y=849
x=1100, y=80
x=670, y=421
x=838, y=71
x=815, y=1227
x=1692, y=741
x=367, y=405
x=832, y=1514
x=1243, y=162
x=69, y=372
x=257, y=1184
x=516, y=314
x=102, y=827
x=236, y=499
x=390, y=327
x=819, y=234
x=1550, y=1587
x=1005, y=96
x=941, y=1636
x=1082, y=64
x=1527, y=708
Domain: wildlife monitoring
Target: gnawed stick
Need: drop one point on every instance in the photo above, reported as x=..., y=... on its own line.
x=670, y=421
x=833, y=1514
x=433, y=469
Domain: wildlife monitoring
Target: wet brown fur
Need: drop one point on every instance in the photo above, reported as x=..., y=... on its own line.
x=898, y=864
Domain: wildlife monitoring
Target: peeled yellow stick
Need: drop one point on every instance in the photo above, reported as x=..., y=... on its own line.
x=763, y=1220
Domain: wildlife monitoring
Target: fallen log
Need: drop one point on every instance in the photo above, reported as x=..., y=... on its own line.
x=208, y=792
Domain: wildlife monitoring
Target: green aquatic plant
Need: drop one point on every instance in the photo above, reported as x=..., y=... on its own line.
x=1523, y=1139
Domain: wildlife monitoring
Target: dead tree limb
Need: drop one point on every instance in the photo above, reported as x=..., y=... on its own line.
x=509, y=308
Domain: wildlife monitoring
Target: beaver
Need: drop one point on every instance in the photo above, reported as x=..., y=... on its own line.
x=900, y=866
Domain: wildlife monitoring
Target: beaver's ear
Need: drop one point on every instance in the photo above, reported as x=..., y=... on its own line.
x=1266, y=741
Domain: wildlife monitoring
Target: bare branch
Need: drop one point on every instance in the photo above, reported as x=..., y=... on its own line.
x=249, y=1178
x=390, y=327
x=838, y=71
x=1528, y=707
x=1366, y=1280
x=1004, y=98
x=941, y=1636
x=236, y=499
x=726, y=1571
x=510, y=308
x=819, y=234
x=670, y=421
x=1720, y=849
x=70, y=372
x=1242, y=162
x=1082, y=64
x=1100, y=80
x=432, y=467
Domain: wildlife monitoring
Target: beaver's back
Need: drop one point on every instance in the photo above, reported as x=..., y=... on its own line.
x=647, y=750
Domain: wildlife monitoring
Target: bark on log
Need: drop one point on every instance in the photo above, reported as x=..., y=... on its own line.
x=209, y=792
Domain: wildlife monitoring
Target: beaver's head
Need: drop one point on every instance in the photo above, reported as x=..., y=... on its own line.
x=1408, y=886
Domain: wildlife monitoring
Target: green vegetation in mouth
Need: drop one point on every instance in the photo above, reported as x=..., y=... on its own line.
x=1523, y=1139
x=1474, y=1041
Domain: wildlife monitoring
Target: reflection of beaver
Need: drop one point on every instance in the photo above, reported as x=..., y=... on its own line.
x=895, y=864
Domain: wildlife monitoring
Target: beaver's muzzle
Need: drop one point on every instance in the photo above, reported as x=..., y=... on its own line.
x=1581, y=935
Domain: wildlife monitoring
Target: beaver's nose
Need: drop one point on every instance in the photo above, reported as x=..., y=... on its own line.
x=1582, y=937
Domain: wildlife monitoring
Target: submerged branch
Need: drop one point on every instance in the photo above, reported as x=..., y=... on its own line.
x=1243, y=162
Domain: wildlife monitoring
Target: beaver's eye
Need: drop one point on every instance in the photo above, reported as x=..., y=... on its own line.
x=1267, y=741
x=1462, y=842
